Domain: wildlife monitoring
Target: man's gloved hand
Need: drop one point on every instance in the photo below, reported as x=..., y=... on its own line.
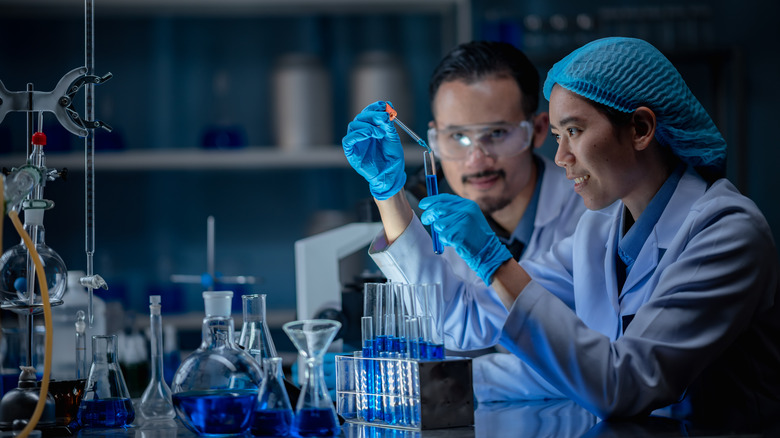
x=373, y=148
x=462, y=225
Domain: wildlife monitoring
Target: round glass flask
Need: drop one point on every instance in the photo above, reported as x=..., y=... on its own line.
x=315, y=414
x=215, y=388
x=17, y=270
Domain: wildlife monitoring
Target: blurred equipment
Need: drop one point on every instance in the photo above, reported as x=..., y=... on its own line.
x=375, y=76
x=211, y=277
x=317, y=269
x=301, y=90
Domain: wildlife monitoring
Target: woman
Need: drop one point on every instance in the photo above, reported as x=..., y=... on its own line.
x=666, y=293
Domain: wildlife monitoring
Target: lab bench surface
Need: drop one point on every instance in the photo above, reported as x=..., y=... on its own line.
x=549, y=418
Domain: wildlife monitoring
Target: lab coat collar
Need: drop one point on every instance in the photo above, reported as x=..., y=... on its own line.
x=690, y=188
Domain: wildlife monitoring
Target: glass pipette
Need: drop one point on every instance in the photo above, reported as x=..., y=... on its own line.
x=431, y=182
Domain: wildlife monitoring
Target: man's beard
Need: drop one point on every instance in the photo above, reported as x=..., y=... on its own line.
x=492, y=204
x=489, y=204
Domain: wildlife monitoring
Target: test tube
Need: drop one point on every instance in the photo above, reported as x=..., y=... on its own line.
x=432, y=185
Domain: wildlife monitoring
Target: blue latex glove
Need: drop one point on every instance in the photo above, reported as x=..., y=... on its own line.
x=462, y=225
x=373, y=148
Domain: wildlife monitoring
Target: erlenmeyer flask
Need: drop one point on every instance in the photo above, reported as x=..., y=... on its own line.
x=156, y=402
x=255, y=338
x=106, y=401
x=273, y=414
x=315, y=414
x=215, y=388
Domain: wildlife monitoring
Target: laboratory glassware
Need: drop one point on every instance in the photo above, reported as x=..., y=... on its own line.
x=81, y=345
x=156, y=402
x=431, y=181
x=16, y=270
x=315, y=414
x=255, y=338
x=215, y=388
x=273, y=414
x=106, y=401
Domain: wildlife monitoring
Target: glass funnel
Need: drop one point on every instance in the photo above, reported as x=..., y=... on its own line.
x=255, y=338
x=215, y=388
x=315, y=414
x=106, y=401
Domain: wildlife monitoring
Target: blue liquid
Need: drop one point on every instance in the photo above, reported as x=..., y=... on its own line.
x=382, y=342
x=272, y=422
x=316, y=422
x=433, y=189
x=217, y=412
x=109, y=412
x=432, y=351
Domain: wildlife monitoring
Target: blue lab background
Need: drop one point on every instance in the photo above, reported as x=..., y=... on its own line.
x=152, y=223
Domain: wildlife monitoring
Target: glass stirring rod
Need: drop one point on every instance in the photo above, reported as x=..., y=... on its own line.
x=431, y=182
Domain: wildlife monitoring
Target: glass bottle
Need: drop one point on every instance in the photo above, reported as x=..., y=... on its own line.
x=273, y=414
x=315, y=414
x=156, y=402
x=255, y=338
x=215, y=388
x=106, y=401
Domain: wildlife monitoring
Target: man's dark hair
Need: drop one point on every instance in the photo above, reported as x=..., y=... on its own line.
x=477, y=60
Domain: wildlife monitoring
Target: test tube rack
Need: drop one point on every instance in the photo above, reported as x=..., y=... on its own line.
x=405, y=393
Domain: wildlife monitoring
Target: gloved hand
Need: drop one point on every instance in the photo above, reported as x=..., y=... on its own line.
x=373, y=149
x=462, y=225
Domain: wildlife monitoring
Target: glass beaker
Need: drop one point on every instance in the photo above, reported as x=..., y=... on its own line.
x=273, y=414
x=255, y=338
x=315, y=414
x=106, y=401
x=215, y=388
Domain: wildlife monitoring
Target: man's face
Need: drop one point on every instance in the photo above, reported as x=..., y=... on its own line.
x=492, y=182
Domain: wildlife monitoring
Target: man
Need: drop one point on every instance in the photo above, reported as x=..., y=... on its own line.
x=484, y=98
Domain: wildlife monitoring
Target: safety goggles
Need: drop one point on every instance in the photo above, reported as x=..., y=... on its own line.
x=495, y=139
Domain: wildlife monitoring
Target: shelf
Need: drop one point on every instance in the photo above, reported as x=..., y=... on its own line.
x=251, y=158
x=458, y=10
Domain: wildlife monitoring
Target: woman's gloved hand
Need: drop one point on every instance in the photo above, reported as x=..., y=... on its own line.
x=462, y=225
x=373, y=148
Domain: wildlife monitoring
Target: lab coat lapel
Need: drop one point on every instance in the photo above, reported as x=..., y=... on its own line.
x=599, y=309
x=688, y=189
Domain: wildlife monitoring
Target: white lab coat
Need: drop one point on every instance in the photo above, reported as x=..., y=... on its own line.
x=702, y=292
x=410, y=259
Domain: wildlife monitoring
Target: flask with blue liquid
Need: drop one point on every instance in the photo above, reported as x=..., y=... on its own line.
x=273, y=414
x=215, y=388
x=106, y=401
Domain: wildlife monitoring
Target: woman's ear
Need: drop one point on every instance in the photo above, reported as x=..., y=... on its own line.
x=644, y=127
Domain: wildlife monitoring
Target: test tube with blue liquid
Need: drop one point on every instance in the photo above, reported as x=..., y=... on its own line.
x=431, y=182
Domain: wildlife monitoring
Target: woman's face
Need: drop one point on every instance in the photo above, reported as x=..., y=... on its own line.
x=597, y=156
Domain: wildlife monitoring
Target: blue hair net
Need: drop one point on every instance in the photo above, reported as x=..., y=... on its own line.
x=626, y=73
